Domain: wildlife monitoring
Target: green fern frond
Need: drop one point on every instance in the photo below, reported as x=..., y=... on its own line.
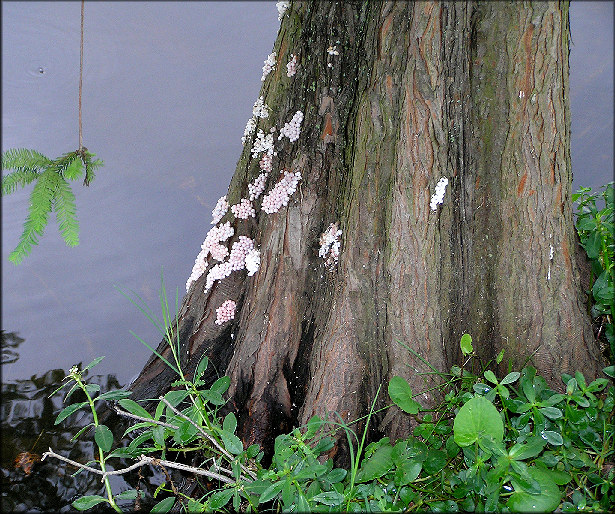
x=22, y=158
x=90, y=166
x=64, y=206
x=41, y=200
x=21, y=177
x=51, y=192
x=69, y=165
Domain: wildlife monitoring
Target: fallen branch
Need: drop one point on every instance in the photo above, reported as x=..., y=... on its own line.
x=141, y=462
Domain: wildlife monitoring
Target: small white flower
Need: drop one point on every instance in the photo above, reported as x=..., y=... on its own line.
x=332, y=50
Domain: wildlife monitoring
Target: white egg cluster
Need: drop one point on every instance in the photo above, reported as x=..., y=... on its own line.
x=257, y=186
x=253, y=261
x=281, y=192
x=282, y=5
x=291, y=67
x=249, y=130
x=292, y=129
x=330, y=245
x=269, y=65
x=219, y=210
x=260, y=110
x=225, y=312
x=438, y=195
x=263, y=143
x=239, y=250
x=243, y=209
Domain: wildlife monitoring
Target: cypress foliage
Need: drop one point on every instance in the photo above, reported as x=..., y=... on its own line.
x=51, y=192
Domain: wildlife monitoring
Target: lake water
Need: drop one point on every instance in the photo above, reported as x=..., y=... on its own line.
x=168, y=88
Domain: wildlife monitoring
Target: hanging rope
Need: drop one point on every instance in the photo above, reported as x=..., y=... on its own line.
x=81, y=77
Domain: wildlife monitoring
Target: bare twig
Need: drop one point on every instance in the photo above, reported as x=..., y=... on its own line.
x=142, y=418
x=206, y=435
x=141, y=462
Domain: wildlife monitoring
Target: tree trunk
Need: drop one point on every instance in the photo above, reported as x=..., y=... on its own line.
x=474, y=92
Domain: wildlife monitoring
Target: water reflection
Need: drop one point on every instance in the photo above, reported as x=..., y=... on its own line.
x=27, y=420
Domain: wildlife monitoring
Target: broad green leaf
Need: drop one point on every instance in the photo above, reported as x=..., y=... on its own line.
x=232, y=443
x=129, y=494
x=271, y=492
x=476, y=419
x=114, y=395
x=87, y=502
x=134, y=408
x=175, y=397
x=212, y=396
x=490, y=376
x=200, y=369
x=435, y=461
x=220, y=498
x=336, y=475
x=500, y=356
x=103, y=437
x=466, y=344
x=510, y=378
x=331, y=498
x=230, y=423
x=609, y=371
x=92, y=388
x=408, y=472
x=221, y=385
x=194, y=506
x=551, y=412
x=165, y=505
x=376, y=465
x=532, y=447
x=546, y=501
x=401, y=394
x=68, y=411
x=94, y=363
x=552, y=437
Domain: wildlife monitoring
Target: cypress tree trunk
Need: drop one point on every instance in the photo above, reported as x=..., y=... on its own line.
x=474, y=92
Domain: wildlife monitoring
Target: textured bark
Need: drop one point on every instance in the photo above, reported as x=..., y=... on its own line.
x=476, y=92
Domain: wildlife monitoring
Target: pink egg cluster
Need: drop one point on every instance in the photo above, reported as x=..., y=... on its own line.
x=292, y=129
x=225, y=312
x=281, y=192
x=257, y=186
x=212, y=246
x=217, y=272
x=239, y=250
x=219, y=210
x=243, y=209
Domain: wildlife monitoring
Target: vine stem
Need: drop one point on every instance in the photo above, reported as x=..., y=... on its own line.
x=81, y=75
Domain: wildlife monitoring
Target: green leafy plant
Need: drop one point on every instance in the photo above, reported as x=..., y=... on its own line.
x=51, y=192
x=596, y=229
x=492, y=444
